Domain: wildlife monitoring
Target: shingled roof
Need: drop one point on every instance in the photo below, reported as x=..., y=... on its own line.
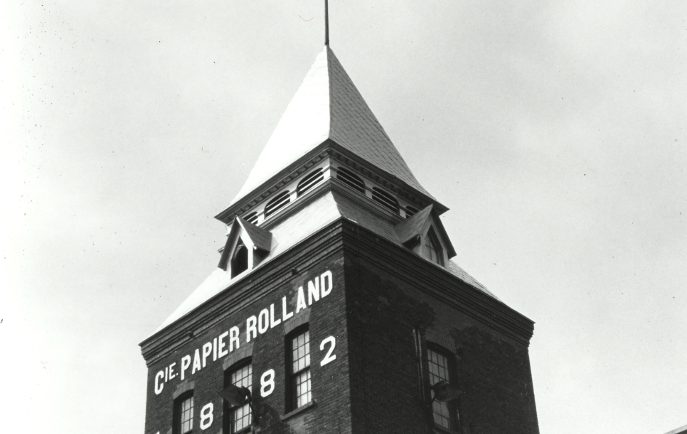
x=289, y=232
x=327, y=105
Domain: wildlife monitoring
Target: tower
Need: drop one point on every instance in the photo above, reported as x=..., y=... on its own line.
x=335, y=306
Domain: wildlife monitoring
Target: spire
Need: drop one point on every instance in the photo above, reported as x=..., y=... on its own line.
x=327, y=105
x=326, y=22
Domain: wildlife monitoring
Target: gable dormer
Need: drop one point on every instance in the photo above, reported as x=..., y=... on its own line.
x=246, y=246
x=424, y=234
x=328, y=159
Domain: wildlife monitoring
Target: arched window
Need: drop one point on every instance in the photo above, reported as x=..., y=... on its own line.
x=277, y=203
x=239, y=260
x=350, y=179
x=309, y=181
x=385, y=199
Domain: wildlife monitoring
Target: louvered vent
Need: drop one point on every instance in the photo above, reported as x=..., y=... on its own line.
x=251, y=217
x=309, y=181
x=350, y=179
x=279, y=202
x=385, y=199
x=410, y=211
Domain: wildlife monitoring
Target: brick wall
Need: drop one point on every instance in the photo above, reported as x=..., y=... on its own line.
x=326, y=317
x=385, y=304
x=381, y=294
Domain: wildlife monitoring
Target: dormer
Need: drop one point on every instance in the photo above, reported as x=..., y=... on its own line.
x=246, y=246
x=424, y=234
x=329, y=158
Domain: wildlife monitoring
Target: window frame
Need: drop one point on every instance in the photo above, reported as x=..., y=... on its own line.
x=293, y=377
x=453, y=406
x=178, y=413
x=229, y=413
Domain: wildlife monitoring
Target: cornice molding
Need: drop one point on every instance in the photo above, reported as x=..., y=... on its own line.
x=434, y=280
x=383, y=178
x=347, y=238
x=268, y=278
x=275, y=183
x=328, y=148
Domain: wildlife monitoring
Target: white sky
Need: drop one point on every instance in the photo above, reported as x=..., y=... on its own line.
x=555, y=133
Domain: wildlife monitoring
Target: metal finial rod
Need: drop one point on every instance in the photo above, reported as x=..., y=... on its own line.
x=326, y=22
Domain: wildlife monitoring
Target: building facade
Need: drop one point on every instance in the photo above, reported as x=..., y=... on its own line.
x=335, y=306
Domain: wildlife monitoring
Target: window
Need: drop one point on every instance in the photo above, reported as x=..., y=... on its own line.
x=183, y=414
x=299, y=387
x=240, y=418
x=239, y=261
x=385, y=199
x=432, y=247
x=350, y=179
x=309, y=181
x=277, y=203
x=444, y=414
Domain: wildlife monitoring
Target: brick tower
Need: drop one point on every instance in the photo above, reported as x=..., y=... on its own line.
x=335, y=306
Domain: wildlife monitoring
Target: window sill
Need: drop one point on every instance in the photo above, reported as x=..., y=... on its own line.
x=442, y=430
x=299, y=410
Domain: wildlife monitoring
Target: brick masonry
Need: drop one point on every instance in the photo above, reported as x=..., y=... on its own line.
x=381, y=293
x=492, y=369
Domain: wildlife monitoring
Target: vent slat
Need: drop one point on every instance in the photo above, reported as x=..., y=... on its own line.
x=251, y=217
x=410, y=211
x=350, y=179
x=309, y=181
x=279, y=202
x=385, y=199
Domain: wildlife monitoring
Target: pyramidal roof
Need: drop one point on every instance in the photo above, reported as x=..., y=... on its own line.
x=327, y=105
